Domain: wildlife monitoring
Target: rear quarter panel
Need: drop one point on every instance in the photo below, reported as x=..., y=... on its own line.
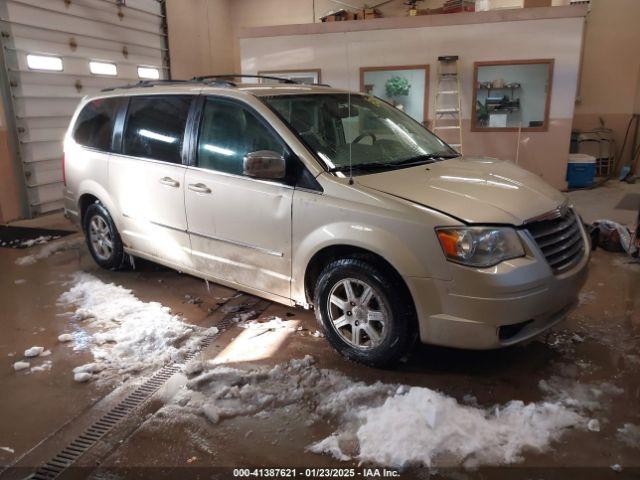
x=87, y=172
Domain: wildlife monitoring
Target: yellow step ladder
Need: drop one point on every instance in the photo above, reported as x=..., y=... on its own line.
x=447, y=120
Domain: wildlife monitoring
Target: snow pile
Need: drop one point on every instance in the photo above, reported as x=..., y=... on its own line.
x=394, y=425
x=50, y=249
x=124, y=333
x=422, y=426
x=272, y=324
x=220, y=392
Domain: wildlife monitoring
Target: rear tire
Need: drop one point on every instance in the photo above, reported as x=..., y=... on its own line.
x=103, y=239
x=365, y=311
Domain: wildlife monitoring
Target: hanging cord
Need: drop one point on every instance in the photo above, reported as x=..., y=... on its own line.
x=624, y=144
x=349, y=113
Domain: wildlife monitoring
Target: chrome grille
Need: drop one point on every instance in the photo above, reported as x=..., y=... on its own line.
x=559, y=239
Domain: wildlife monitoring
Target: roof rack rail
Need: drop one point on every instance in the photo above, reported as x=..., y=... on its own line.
x=144, y=83
x=224, y=78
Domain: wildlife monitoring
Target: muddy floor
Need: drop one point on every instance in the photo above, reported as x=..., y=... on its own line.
x=41, y=411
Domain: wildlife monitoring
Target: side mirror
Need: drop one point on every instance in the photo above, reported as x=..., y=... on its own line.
x=264, y=164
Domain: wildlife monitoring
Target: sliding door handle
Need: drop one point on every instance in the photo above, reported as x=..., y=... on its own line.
x=169, y=182
x=199, y=187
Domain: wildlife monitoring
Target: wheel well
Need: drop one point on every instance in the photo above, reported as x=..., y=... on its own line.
x=84, y=202
x=336, y=252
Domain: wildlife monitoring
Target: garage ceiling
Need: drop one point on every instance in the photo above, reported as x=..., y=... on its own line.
x=50, y=50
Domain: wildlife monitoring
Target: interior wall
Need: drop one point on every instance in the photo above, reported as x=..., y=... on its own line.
x=340, y=56
x=611, y=67
x=203, y=34
x=257, y=13
x=200, y=37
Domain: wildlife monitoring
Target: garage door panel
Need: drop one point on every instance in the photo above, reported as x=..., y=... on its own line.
x=43, y=102
x=42, y=107
x=39, y=178
x=35, y=17
x=42, y=150
x=46, y=90
x=151, y=6
x=32, y=135
x=27, y=125
x=46, y=195
x=96, y=11
x=52, y=36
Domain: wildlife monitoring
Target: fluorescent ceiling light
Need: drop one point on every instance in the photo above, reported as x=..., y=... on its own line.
x=216, y=149
x=103, y=68
x=156, y=136
x=150, y=73
x=44, y=62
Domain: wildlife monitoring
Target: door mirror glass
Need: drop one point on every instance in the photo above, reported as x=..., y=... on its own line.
x=265, y=164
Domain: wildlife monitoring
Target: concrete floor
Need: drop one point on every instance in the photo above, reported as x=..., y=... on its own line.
x=40, y=412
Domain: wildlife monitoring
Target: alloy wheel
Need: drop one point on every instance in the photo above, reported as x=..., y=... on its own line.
x=100, y=238
x=358, y=314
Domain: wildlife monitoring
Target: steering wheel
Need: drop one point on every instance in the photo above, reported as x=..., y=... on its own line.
x=364, y=135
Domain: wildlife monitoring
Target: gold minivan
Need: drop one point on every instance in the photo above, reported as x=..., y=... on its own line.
x=313, y=196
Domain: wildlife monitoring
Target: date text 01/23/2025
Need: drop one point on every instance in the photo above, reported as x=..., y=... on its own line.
x=316, y=472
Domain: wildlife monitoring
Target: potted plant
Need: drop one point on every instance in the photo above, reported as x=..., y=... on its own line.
x=482, y=113
x=397, y=87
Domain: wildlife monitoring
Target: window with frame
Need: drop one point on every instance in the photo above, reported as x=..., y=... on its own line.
x=228, y=131
x=94, y=125
x=512, y=94
x=155, y=127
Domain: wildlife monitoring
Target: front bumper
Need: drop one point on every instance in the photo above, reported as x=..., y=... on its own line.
x=498, y=306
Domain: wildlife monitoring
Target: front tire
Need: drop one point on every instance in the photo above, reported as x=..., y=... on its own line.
x=366, y=312
x=103, y=239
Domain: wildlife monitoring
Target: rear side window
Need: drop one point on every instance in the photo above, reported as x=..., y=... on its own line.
x=155, y=127
x=94, y=126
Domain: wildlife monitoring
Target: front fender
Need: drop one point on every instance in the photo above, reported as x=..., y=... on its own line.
x=399, y=251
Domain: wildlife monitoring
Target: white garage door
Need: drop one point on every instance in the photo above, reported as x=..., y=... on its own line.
x=58, y=51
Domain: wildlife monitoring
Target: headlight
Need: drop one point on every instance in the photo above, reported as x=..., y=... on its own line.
x=479, y=246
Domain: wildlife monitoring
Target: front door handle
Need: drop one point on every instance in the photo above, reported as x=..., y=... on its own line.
x=170, y=182
x=199, y=187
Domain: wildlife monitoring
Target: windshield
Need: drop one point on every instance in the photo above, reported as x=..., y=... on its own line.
x=361, y=131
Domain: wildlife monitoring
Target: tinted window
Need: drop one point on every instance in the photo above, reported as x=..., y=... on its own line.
x=228, y=132
x=155, y=127
x=94, y=125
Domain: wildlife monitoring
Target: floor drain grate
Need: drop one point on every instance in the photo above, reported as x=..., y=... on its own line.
x=68, y=455
x=81, y=444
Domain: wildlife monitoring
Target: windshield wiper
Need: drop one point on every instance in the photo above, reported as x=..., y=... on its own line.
x=424, y=158
x=362, y=167
x=420, y=159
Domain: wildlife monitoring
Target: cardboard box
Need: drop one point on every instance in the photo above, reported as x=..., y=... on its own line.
x=536, y=3
x=369, y=13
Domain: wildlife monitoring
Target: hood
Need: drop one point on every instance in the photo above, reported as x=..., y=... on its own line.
x=476, y=190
